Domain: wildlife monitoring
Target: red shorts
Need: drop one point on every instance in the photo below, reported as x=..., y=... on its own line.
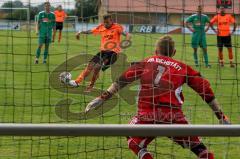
x=173, y=117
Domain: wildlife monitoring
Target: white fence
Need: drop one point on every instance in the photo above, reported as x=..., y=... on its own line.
x=10, y=25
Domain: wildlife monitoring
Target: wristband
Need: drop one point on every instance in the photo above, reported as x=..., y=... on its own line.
x=113, y=88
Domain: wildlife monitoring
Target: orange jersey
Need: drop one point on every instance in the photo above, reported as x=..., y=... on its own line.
x=110, y=38
x=223, y=23
x=60, y=15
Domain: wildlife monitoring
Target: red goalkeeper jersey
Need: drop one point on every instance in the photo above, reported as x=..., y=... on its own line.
x=161, y=80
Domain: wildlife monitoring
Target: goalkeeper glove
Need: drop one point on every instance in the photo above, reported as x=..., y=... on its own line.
x=94, y=104
x=97, y=102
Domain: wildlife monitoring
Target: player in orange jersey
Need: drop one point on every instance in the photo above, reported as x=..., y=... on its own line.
x=60, y=17
x=110, y=33
x=223, y=32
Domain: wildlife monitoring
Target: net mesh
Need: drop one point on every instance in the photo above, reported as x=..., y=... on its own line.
x=31, y=93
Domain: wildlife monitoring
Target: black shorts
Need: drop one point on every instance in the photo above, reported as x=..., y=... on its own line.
x=59, y=25
x=224, y=41
x=105, y=59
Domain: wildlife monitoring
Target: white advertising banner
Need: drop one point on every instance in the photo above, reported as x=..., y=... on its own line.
x=6, y=25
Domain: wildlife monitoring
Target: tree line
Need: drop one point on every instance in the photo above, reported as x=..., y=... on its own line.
x=86, y=10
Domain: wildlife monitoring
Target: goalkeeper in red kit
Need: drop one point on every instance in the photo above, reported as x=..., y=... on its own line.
x=160, y=98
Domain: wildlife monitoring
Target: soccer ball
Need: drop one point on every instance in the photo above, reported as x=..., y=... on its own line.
x=65, y=77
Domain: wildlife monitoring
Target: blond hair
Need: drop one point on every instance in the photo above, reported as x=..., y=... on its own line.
x=166, y=45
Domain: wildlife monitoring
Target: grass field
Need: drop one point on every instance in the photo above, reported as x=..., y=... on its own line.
x=27, y=97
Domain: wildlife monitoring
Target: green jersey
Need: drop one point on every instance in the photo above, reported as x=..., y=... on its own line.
x=198, y=22
x=46, y=23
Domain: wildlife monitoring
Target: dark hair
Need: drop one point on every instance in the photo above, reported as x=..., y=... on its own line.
x=200, y=7
x=166, y=45
x=45, y=3
x=107, y=16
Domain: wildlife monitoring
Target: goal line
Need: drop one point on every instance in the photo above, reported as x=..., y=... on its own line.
x=10, y=129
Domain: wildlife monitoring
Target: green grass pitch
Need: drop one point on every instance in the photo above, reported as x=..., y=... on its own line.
x=26, y=97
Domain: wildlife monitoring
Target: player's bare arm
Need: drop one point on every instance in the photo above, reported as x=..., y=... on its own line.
x=127, y=35
x=188, y=25
x=234, y=27
x=37, y=27
x=127, y=41
x=207, y=27
x=213, y=28
x=82, y=32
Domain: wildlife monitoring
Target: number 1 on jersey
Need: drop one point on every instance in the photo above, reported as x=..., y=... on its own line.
x=161, y=70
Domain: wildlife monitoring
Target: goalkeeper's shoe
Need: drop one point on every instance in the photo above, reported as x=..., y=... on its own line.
x=73, y=83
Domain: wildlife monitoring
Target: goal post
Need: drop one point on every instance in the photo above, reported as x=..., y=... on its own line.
x=118, y=130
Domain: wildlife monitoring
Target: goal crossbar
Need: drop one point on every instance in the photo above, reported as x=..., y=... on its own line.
x=13, y=129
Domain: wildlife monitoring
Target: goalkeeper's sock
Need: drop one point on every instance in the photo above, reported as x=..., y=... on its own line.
x=38, y=52
x=205, y=56
x=195, y=56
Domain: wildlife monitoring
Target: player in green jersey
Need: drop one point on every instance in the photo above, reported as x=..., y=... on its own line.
x=199, y=24
x=44, y=28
